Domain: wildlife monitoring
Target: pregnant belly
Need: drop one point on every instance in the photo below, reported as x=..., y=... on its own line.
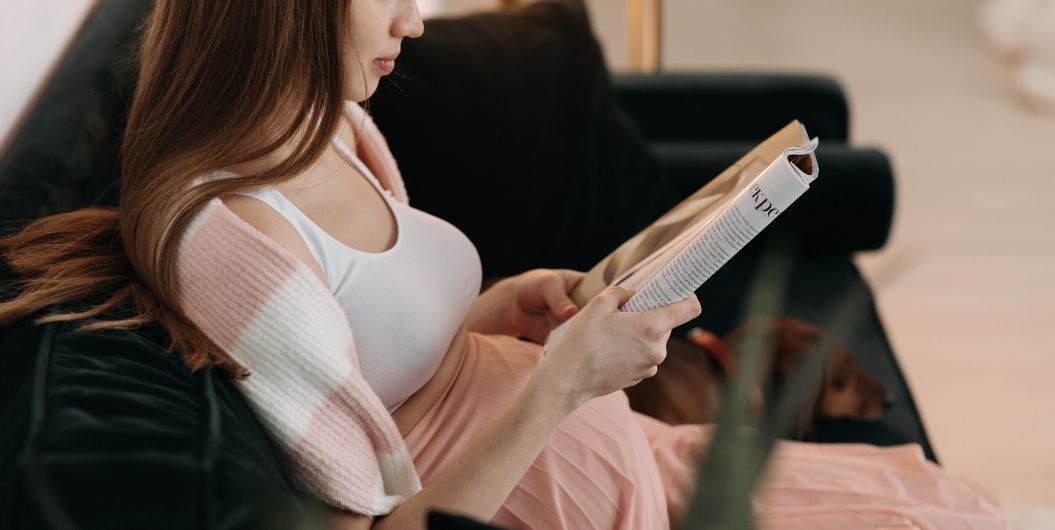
x=414, y=408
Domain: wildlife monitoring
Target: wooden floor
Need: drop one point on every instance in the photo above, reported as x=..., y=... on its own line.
x=967, y=284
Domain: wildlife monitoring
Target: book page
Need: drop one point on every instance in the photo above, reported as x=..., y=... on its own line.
x=729, y=231
x=686, y=217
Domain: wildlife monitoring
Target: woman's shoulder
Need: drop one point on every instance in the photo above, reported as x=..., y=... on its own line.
x=223, y=255
x=242, y=231
x=267, y=222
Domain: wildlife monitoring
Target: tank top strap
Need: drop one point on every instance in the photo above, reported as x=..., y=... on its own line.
x=301, y=222
x=349, y=155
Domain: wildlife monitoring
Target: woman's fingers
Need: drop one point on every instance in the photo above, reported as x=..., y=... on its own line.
x=612, y=298
x=684, y=311
x=662, y=318
x=539, y=331
x=570, y=277
x=556, y=296
x=673, y=315
x=606, y=349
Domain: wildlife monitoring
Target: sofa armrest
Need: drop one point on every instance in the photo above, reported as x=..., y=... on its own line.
x=850, y=207
x=732, y=106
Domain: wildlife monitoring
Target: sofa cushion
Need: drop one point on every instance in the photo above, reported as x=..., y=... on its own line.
x=108, y=430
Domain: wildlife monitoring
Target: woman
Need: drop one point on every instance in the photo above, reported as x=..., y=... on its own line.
x=263, y=224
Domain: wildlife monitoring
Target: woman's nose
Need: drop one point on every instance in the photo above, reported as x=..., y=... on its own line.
x=409, y=23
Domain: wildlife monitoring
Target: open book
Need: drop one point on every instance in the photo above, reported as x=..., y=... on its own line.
x=673, y=256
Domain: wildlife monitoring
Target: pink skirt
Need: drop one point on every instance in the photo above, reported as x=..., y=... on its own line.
x=608, y=467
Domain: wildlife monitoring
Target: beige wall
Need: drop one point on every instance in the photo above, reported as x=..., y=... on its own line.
x=607, y=16
x=33, y=34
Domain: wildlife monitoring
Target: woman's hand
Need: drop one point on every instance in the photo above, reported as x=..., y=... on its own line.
x=602, y=351
x=605, y=349
x=526, y=305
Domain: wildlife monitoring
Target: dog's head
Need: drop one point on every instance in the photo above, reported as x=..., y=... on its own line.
x=850, y=392
x=846, y=391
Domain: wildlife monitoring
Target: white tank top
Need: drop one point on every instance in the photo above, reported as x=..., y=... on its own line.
x=405, y=304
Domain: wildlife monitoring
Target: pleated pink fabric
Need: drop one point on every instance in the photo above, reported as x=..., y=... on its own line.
x=862, y=486
x=608, y=467
x=596, y=472
x=833, y=486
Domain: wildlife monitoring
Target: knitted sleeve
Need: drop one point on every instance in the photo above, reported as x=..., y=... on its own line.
x=265, y=308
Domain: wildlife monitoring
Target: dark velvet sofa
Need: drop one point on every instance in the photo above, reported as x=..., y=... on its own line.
x=509, y=126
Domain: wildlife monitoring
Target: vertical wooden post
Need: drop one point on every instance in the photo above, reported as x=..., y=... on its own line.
x=643, y=37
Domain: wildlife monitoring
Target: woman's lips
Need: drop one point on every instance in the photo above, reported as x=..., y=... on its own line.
x=385, y=65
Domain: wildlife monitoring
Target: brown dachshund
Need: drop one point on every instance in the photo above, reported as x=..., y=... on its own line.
x=687, y=387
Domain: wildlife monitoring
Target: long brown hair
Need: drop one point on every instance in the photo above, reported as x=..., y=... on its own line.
x=221, y=82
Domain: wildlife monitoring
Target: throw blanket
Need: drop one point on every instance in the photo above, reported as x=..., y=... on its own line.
x=272, y=314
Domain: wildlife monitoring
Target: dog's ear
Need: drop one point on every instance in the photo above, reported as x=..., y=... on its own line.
x=842, y=369
x=793, y=340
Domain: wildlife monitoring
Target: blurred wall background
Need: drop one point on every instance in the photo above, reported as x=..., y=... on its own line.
x=32, y=34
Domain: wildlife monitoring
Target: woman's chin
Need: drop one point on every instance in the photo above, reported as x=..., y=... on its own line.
x=361, y=93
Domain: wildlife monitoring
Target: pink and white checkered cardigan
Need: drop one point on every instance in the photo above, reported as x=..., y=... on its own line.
x=271, y=313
